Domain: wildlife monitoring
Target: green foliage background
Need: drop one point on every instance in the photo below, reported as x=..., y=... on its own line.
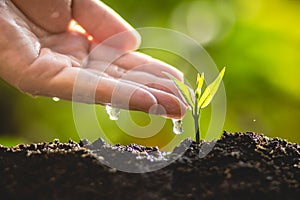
x=258, y=41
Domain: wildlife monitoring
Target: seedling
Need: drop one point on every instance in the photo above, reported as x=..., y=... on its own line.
x=195, y=99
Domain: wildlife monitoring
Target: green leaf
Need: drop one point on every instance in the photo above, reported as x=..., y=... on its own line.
x=210, y=91
x=199, y=84
x=183, y=90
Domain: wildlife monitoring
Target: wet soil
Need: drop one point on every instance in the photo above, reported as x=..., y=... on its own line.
x=239, y=166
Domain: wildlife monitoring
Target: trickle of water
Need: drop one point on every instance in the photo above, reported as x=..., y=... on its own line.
x=177, y=126
x=114, y=113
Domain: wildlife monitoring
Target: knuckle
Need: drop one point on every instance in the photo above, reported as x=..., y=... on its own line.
x=28, y=84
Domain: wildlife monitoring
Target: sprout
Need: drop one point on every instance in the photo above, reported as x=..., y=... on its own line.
x=196, y=100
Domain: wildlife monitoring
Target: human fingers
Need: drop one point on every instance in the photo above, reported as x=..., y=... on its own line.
x=135, y=75
x=133, y=66
x=52, y=74
x=143, y=62
x=133, y=61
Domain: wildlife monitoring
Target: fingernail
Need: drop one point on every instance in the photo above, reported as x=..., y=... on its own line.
x=158, y=109
x=143, y=100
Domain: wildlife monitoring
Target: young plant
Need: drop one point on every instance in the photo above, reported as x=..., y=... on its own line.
x=195, y=99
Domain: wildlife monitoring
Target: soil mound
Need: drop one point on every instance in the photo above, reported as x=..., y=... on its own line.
x=239, y=166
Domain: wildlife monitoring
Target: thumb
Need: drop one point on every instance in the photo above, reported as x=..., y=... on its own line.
x=103, y=23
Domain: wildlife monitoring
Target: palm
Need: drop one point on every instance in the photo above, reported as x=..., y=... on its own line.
x=67, y=43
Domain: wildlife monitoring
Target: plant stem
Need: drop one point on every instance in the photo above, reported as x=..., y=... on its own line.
x=196, y=121
x=196, y=114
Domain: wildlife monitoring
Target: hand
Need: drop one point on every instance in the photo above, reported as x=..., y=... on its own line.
x=41, y=54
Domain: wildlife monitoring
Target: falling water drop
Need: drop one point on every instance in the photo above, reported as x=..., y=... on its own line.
x=177, y=126
x=114, y=113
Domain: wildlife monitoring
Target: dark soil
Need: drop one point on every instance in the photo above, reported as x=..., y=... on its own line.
x=240, y=166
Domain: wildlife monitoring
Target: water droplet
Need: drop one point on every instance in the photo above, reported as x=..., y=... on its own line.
x=254, y=120
x=56, y=99
x=114, y=113
x=177, y=126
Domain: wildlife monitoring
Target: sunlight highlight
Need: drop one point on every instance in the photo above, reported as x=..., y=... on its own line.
x=74, y=26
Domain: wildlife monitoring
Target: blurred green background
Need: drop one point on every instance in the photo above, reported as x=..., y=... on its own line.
x=258, y=41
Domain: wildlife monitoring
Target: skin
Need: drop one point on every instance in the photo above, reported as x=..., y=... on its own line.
x=41, y=54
